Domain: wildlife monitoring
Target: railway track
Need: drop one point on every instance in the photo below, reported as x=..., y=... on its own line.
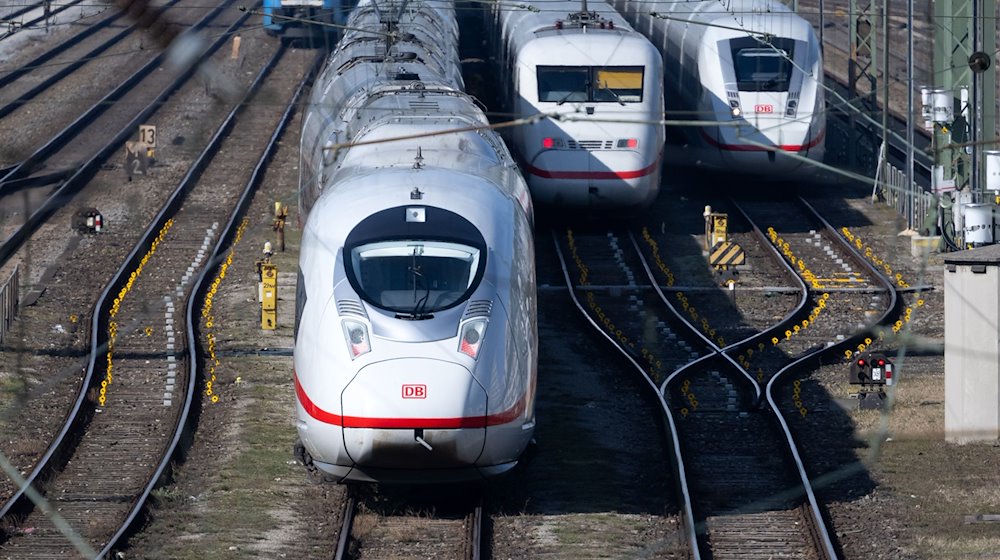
x=411, y=523
x=143, y=368
x=715, y=393
x=37, y=76
x=72, y=149
x=114, y=109
x=48, y=256
x=15, y=21
x=750, y=522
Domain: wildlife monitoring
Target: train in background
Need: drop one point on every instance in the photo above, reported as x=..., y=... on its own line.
x=605, y=80
x=416, y=340
x=751, y=71
x=305, y=19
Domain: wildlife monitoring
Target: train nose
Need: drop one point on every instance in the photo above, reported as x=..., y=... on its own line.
x=414, y=413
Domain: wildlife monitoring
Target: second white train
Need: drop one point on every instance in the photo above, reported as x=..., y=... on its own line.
x=603, y=84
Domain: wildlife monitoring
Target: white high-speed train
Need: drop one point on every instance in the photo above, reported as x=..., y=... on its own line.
x=750, y=70
x=604, y=80
x=416, y=336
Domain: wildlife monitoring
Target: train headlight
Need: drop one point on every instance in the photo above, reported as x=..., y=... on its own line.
x=628, y=143
x=471, y=337
x=358, y=341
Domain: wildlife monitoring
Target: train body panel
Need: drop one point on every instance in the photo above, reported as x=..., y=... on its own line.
x=604, y=81
x=416, y=341
x=759, y=73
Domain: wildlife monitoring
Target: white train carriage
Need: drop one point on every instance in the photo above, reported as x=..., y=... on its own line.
x=605, y=79
x=416, y=337
x=752, y=66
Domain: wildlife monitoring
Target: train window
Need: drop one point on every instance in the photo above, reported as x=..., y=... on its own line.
x=763, y=67
x=559, y=84
x=618, y=84
x=415, y=276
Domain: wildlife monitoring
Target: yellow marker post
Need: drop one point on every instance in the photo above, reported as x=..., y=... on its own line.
x=716, y=227
x=269, y=296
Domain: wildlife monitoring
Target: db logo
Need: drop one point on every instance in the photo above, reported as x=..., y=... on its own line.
x=763, y=108
x=414, y=391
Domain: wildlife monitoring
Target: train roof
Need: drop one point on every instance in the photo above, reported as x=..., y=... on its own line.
x=369, y=190
x=589, y=49
x=536, y=18
x=769, y=17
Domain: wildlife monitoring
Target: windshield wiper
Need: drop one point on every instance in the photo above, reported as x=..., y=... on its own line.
x=566, y=97
x=421, y=305
x=612, y=92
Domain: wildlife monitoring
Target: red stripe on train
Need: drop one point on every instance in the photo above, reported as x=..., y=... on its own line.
x=598, y=175
x=756, y=148
x=318, y=413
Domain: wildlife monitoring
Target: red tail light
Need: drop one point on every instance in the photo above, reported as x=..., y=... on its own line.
x=548, y=142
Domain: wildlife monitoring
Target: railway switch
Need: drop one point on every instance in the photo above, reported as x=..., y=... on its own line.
x=88, y=220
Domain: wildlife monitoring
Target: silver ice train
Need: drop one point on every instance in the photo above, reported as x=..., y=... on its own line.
x=752, y=66
x=416, y=336
x=606, y=79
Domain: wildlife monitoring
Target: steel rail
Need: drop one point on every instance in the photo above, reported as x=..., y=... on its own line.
x=800, y=363
x=88, y=169
x=64, y=442
x=819, y=522
x=31, y=23
x=687, y=514
x=61, y=47
x=68, y=68
x=476, y=533
x=344, y=538
x=187, y=422
x=63, y=137
x=778, y=259
x=713, y=348
x=19, y=12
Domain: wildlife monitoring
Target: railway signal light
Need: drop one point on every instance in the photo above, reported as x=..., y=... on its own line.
x=870, y=369
x=88, y=220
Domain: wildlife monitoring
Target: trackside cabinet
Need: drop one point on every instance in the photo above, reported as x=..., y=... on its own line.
x=971, y=342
